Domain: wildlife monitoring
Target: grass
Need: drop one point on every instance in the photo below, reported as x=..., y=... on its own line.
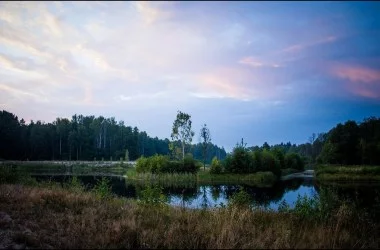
x=182, y=179
x=59, y=218
x=75, y=168
x=347, y=173
x=256, y=179
x=202, y=177
x=50, y=215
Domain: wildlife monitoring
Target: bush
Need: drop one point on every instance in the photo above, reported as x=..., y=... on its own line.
x=142, y=165
x=216, y=167
x=240, y=161
x=270, y=163
x=189, y=165
x=240, y=199
x=294, y=161
x=103, y=188
x=152, y=196
x=160, y=164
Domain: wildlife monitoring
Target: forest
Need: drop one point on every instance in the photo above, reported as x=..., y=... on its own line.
x=83, y=138
x=96, y=138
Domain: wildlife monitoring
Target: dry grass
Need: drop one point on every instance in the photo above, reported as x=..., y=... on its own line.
x=58, y=218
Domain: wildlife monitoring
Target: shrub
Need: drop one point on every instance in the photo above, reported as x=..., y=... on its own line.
x=142, y=165
x=159, y=164
x=294, y=161
x=152, y=196
x=216, y=167
x=103, y=188
x=240, y=161
x=189, y=165
x=270, y=163
x=240, y=199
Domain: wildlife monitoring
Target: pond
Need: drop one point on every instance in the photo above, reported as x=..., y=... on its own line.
x=206, y=196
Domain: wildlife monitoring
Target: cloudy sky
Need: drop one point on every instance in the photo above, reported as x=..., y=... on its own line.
x=264, y=71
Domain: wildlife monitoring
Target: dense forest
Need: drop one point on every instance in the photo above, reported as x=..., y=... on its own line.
x=90, y=137
x=83, y=138
x=350, y=143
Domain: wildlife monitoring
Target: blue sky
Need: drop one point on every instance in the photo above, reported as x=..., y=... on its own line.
x=264, y=71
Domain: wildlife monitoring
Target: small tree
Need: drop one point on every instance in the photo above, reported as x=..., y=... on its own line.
x=182, y=130
x=206, y=139
x=216, y=167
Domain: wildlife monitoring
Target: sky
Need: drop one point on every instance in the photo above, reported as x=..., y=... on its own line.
x=263, y=71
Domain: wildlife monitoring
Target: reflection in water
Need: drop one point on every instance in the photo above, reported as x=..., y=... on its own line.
x=207, y=196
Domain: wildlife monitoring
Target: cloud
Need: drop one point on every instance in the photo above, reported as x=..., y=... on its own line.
x=253, y=62
x=359, y=80
x=299, y=47
x=356, y=73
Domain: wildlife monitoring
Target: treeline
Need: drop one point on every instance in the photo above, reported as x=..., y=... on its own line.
x=350, y=143
x=83, y=138
x=259, y=159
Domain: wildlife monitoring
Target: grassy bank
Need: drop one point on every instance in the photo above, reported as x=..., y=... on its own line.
x=75, y=168
x=52, y=217
x=203, y=177
x=327, y=173
x=256, y=179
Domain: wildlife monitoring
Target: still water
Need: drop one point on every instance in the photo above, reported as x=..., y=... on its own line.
x=206, y=196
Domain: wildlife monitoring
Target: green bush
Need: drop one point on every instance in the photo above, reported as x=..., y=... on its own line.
x=142, y=165
x=270, y=163
x=103, y=188
x=240, y=199
x=189, y=165
x=216, y=167
x=160, y=164
x=152, y=196
x=294, y=161
x=239, y=162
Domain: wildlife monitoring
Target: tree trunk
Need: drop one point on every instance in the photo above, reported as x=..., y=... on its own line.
x=77, y=152
x=60, y=147
x=183, y=150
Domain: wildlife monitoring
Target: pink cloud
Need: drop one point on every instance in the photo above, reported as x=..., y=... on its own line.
x=360, y=81
x=356, y=73
x=299, y=47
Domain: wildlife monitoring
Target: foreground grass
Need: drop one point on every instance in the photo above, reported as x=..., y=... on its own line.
x=347, y=173
x=52, y=217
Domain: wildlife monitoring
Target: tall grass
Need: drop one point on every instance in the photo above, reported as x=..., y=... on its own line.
x=347, y=173
x=174, y=179
x=59, y=218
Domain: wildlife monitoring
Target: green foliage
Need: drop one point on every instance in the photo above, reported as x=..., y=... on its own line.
x=103, y=188
x=189, y=165
x=75, y=185
x=182, y=130
x=240, y=161
x=240, y=199
x=244, y=161
x=216, y=167
x=153, y=196
x=294, y=161
x=270, y=163
x=159, y=164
